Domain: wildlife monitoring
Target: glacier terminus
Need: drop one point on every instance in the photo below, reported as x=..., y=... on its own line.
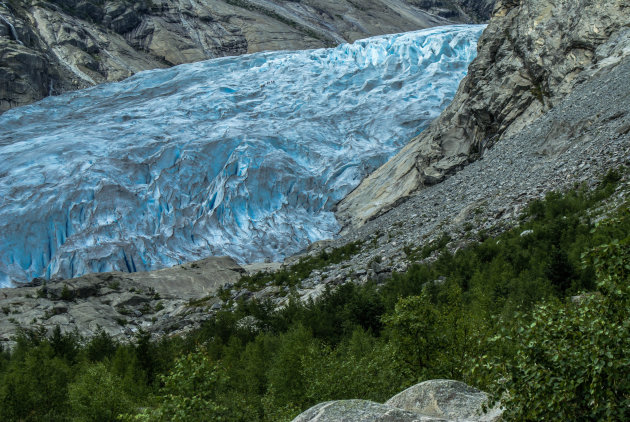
x=242, y=156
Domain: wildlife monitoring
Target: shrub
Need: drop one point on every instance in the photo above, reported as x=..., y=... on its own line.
x=66, y=293
x=571, y=361
x=96, y=395
x=190, y=392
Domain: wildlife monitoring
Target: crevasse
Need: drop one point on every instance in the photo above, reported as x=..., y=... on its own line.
x=242, y=156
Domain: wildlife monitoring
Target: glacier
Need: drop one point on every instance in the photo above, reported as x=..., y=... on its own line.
x=243, y=156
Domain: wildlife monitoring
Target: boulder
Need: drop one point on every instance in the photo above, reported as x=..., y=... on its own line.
x=429, y=401
x=447, y=399
x=360, y=411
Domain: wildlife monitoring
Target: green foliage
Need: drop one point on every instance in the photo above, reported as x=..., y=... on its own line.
x=302, y=269
x=285, y=383
x=413, y=330
x=34, y=386
x=190, y=392
x=570, y=361
x=64, y=345
x=100, y=346
x=499, y=306
x=95, y=395
x=66, y=293
x=361, y=366
x=434, y=335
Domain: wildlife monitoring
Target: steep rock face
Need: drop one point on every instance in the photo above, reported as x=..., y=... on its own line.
x=51, y=47
x=530, y=56
x=429, y=401
x=475, y=10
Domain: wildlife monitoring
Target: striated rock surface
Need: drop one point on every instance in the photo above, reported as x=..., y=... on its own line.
x=119, y=303
x=49, y=47
x=531, y=55
x=430, y=401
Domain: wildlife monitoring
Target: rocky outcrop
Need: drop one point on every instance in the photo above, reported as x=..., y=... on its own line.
x=360, y=411
x=475, y=10
x=49, y=47
x=532, y=54
x=436, y=400
x=160, y=302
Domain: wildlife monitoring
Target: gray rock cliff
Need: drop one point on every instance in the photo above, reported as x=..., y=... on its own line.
x=49, y=47
x=531, y=55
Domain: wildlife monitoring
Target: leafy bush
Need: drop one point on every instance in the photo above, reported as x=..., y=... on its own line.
x=95, y=395
x=571, y=361
x=189, y=393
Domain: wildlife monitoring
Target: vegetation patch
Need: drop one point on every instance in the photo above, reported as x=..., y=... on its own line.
x=292, y=275
x=497, y=314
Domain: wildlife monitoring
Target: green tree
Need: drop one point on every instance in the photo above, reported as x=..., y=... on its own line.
x=191, y=392
x=413, y=330
x=284, y=377
x=97, y=395
x=571, y=361
x=100, y=346
x=362, y=366
x=35, y=387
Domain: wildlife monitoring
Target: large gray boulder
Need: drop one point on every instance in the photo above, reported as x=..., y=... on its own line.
x=447, y=399
x=430, y=401
x=360, y=411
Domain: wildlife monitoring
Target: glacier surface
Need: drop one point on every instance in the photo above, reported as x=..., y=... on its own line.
x=242, y=156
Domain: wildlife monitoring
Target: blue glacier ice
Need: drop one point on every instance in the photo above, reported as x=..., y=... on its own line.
x=242, y=156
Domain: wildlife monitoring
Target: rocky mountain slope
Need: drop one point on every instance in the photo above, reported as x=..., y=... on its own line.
x=532, y=54
x=118, y=303
x=573, y=136
x=49, y=47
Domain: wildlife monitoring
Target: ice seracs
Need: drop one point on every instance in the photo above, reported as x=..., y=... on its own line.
x=241, y=156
